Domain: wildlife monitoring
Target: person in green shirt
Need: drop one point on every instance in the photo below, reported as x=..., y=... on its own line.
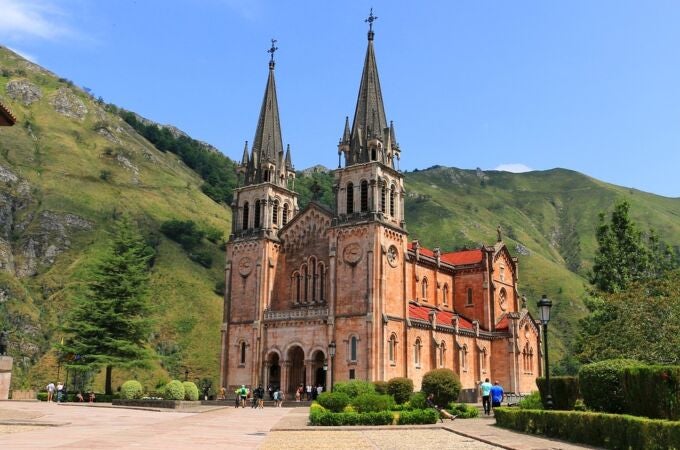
x=486, y=396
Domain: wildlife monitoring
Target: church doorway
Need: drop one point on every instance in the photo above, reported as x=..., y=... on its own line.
x=273, y=371
x=318, y=371
x=296, y=374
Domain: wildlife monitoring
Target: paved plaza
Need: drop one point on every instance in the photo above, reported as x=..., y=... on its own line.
x=33, y=425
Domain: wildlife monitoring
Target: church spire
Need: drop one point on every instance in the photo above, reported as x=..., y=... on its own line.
x=370, y=134
x=266, y=161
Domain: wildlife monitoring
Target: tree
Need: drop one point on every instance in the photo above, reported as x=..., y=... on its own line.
x=110, y=321
x=621, y=256
x=642, y=323
x=443, y=383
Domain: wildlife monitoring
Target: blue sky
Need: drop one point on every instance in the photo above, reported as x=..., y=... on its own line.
x=592, y=86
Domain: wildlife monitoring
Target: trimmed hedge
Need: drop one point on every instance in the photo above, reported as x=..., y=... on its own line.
x=131, y=389
x=532, y=401
x=463, y=411
x=418, y=401
x=71, y=397
x=400, y=388
x=354, y=388
x=190, y=391
x=380, y=387
x=602, y=384
x=372, y=403
x=598, y=429
x=418, y=416
x=328, y=418
x=564, y=391
x=443, y=383
x=652, y=391
x=334, y=401
x=174, y=390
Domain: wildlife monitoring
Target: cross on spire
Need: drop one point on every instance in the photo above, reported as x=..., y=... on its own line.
x=271, y=51
x=371, y=18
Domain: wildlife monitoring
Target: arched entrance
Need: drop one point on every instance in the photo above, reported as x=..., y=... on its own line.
x=318, y=372
x=296, y=370
x=273, y=371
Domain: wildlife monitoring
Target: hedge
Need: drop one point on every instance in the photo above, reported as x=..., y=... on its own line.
x=71, y=397
x=602, y=384
x=372, y=403
x=354, y=388
x=597, y=429
x=328, y=418
x=463, y=411
x=443, y=383
x=334, y=401
x=564, y=391
x=190, y=391
x=400, y=388
x=652, y=391
x=418, y=416
x=174, y=390
x=380, y=387
x=131, y=389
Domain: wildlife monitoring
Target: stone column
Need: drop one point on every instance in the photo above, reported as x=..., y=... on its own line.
x=285, y=369
x=5, y=376
x=308, y=373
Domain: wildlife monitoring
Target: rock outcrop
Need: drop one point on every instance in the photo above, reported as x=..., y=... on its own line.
x=68, y=104
x=23, y=91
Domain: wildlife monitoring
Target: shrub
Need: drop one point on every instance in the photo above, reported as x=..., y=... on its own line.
x=354, y=388
x=184, y=232
x=174, y=390
x=418, y=416
x=463, y=411
x=531, y=401
x=327, y=418
x=334, y=401
x=564, y=391
x=602, y=384
x=202, y=257
x=597, y=429
x=190, y=391
x=652, y=391
x=400, y=388
x=418, y=401
x=131, y=389
x=372, y=402
x=443, y=383
x=380, y=387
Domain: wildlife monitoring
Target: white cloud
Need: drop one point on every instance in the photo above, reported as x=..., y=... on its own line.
x=21, y=19
x=24, y=55
x=514, y=168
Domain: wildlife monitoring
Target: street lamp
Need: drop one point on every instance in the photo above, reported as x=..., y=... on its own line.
x=331, y=353
x=186, y=374
x=544, y=305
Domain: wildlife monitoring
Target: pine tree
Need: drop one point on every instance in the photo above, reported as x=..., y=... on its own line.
x=110, y=322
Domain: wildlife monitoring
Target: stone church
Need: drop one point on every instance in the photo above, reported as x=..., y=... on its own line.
x=328, y=294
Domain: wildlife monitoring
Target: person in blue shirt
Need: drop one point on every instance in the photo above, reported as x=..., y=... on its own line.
x=486, y=394
x=497, y=394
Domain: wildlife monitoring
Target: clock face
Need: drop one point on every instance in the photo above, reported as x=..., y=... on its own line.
x=392, y=256
x=352, y=253
x=245, y=266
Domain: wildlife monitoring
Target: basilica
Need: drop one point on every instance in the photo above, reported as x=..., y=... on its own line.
x=338, y=292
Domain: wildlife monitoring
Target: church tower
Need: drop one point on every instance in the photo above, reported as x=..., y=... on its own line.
x=263, y=204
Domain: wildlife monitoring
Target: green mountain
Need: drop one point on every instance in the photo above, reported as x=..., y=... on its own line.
x=72, y=164
x=68, y=168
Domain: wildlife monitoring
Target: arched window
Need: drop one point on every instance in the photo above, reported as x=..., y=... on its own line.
x=442, y=354
x=392, y=349
x=417, y=352
x=322, y=282
x=285, y=214
x=424, y=289
x=298, y=286
x=464, y=357
x=483, y=359
x=275, y=213
x=392, y=201
x=305, y=281
x=503, y=299
x=469, y=296
x=374, y=155
x=315, y=277
x=364, y=195
x=353, y=350
x=383, y=197
x=246, y=208
x=258, y=207
x=242, y=353
x=445, y=293
x=350, y=198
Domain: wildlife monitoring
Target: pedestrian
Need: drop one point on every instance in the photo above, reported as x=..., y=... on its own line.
x=281, y=398
x=50, y=392
x=309, y=392
x=223, y=394
x=298, y=393
x=319, y=390
x=270, y=390
x=79, y=397
x=442, y=412
x=243, y=394
x=60, y=392
x=497, y=394
x=91, y=396
x=486, y=394
x=275, y=396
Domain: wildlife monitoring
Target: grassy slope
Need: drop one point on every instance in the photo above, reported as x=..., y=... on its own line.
x=63, y=162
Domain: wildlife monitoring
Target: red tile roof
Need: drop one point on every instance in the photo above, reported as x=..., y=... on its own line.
x=7, y=115
x=504, y=323
x=463, y=257
x=443, y=317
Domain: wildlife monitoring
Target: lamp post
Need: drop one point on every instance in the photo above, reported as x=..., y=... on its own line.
x=544, y=305
x=186, y=374
x=331, y=353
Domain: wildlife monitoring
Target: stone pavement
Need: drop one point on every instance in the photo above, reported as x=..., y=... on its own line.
x=102, y=426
